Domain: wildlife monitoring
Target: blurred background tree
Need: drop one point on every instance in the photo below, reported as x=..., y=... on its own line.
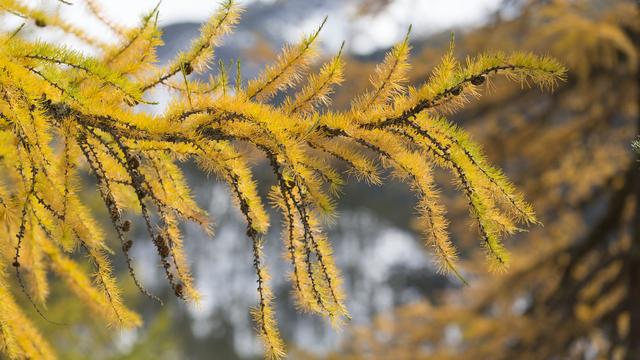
x=574, y=288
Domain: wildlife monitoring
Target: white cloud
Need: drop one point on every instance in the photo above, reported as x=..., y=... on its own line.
x=426, y=16
x=363, y=34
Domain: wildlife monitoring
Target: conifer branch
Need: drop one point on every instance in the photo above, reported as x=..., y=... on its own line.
x=58, y=105
x=286, y=71
x=201, y=51
x=97, y=12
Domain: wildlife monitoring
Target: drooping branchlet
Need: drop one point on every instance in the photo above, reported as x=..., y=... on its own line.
x=161, y=245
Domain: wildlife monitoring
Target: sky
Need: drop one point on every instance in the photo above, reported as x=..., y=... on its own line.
x=364, y=34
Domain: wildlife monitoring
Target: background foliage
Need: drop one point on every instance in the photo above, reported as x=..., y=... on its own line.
x=572, y=293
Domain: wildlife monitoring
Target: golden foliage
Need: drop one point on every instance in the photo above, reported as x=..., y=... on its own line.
x=63, y=113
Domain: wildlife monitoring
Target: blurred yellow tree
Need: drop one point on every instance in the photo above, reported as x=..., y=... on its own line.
x=64, y=113
x=573, y=290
